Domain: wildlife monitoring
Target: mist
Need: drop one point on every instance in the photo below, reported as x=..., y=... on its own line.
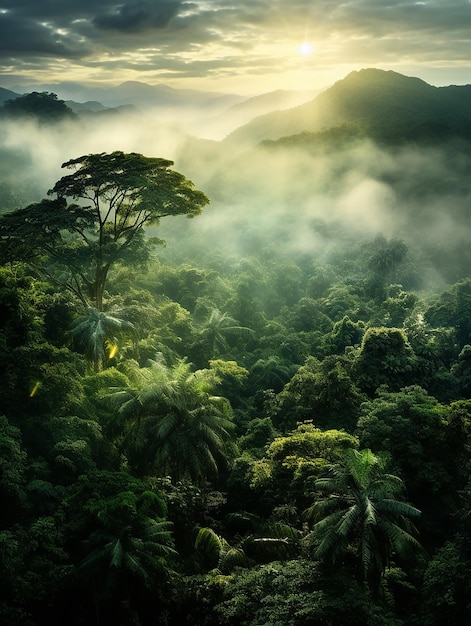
x=262, y=195
x=43, y=149
x=408, y=192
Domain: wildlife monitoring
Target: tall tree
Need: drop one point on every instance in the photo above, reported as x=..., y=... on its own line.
x=387, y=255
x=385, y=357
x=426, y=442
x=97, y=218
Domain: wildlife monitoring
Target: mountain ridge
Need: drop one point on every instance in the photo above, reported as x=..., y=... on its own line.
x=370, y=99
x=135, y=93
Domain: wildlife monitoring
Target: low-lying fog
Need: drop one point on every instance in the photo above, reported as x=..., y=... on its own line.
x=419, y=195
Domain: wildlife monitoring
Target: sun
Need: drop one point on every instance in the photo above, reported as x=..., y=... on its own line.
x=305, y=49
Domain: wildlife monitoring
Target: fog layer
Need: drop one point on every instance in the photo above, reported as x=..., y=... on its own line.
x=264, y=193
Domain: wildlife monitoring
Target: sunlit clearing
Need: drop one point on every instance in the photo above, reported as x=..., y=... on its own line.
x=305, y=49
x=34, y=390
x=113, y=350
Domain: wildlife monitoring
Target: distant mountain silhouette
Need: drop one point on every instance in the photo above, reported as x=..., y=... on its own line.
x=6, y=94
x=243, y=112
x=383, y=104
x=91, y=106
x=139, y=94
x=269, y=102
x=162, y=96
x=93, y=109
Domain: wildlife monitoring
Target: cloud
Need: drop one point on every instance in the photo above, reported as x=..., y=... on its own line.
x=25, y=37
x=138, y=16
x=181, y=38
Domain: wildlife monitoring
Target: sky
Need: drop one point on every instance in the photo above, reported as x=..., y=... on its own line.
x=233, y=46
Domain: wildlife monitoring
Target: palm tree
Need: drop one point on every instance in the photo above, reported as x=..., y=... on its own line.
x=362, y=515
x=214, y=333
x=387, y=256
x=96, y=332
x=269, y=373
x=173, y=424
x=128, y=551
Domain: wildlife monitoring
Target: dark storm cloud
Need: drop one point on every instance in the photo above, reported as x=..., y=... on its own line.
x=138, y=16
x=20, y=37
x=61, y=28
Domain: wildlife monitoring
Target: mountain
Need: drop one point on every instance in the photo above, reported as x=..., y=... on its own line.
x=246, y=110
x=93, y=109
x=91, y=106
x=6, y=94
x=162, y=96
x=378, y=102
x=138, y=94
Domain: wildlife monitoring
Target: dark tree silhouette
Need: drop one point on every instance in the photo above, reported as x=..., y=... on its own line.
x=44, y=106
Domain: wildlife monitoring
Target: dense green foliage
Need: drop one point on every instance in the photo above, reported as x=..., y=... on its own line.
x=254, y=431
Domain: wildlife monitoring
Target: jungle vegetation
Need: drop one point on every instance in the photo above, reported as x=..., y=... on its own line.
x=247, y=427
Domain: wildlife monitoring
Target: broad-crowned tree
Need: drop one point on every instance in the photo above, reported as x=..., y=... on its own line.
x=286, y=474
x=324, y=392
x=385, y=357
x=452, y=309
x=44, y=107
x=97, y=219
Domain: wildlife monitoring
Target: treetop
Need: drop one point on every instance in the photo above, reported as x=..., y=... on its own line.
x=131, y=180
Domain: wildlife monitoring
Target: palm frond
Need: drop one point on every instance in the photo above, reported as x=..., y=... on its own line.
x=323, y=508
x=280, y=530
x=401, y=541
x=231, y=558
x=208, y=542
x=331, y=546
x=271, y=548
x=395, y=507
x=133, y=565
x=348, y=521
x=117, y=554
x=361, y=512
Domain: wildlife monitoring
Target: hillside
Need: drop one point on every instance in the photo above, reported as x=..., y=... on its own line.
x=379, y=102
x=6, y=94
x=226, y=121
